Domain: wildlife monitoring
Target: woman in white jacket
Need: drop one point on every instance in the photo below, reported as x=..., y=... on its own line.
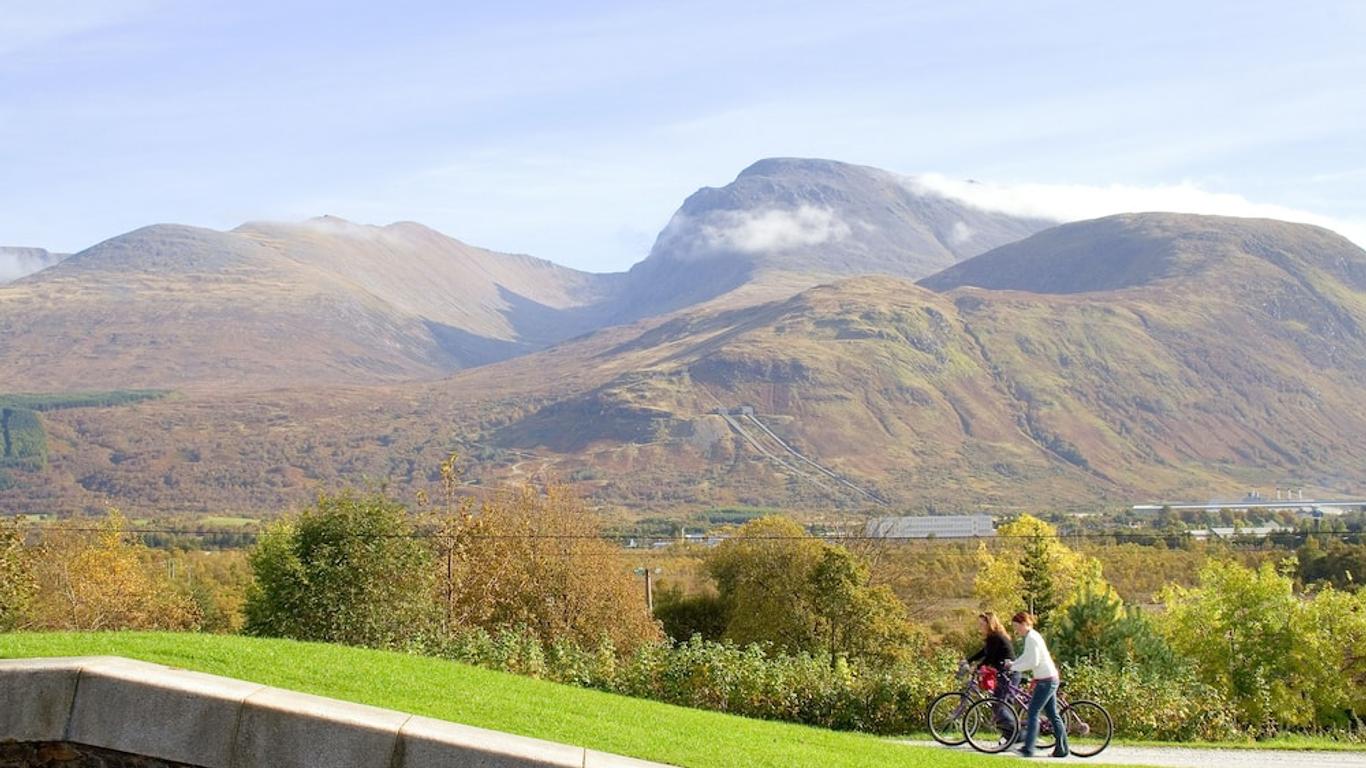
x=1035, y=658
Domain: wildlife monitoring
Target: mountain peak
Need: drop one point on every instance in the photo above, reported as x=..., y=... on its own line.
x=788, y=166
x=1134, y=249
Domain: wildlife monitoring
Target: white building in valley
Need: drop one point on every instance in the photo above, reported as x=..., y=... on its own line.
x=934, y=526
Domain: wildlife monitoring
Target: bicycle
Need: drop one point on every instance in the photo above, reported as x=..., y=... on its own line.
x=946, y=711
x=994, y=725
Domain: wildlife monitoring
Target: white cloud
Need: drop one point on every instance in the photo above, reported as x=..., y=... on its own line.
x=1076, y=202
x=19, y=262
x=774, y=229
x=961, y=233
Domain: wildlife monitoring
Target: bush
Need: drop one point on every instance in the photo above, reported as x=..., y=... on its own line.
x=346, y=570
x=1148, y=705
x=744, y=680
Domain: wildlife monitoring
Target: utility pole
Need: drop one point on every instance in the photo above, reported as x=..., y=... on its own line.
x=649, y=587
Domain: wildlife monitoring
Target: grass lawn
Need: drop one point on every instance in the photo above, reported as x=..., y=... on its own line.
x=464, y=694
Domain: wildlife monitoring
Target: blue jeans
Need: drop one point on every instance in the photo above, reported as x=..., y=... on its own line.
x=1045, y=699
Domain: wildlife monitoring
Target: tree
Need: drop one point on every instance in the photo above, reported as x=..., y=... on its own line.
x=786, y=589
x=105, y=580
x=1036, y=580
x=684, y=615
x=763, y=574
x=1031, y=569
x=17, y=582
x=856, y=620
x=347, y=570
x=526, y=560
x=1097, y=627
x=1282, y=658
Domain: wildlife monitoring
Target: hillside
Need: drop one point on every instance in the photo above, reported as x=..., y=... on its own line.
x=327, y=301
x=265, y=305
x=1241, y=367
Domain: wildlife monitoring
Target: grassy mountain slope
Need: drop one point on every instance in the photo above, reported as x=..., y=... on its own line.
x=1241, y=366
x=270, y=305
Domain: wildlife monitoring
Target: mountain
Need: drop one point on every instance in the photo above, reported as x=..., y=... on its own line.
x=278, y=304
x=18, y=262
x=329, y=301
x=786, y=224
x=1212, y=356
x=1133, y=250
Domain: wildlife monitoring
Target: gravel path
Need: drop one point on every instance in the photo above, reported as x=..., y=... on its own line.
x=1175, y=757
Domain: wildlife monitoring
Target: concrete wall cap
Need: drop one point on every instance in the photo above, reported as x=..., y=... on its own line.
x=35, y=699
x=437, y=743
x=593, y=759
x=157, y=711
x=216, y=722
x=283, y=729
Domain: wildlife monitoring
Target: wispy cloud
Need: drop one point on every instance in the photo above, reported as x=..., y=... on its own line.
x=20, y=262
x=774, y=229
x=1076, y=202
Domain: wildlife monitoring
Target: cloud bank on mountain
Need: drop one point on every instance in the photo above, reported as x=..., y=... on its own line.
x=1076, y=202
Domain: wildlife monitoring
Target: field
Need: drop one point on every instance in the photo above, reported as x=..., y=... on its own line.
x=455, y=692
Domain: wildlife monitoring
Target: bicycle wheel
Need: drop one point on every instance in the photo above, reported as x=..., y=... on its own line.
x=945, y=718
x=1089, y=728
x=990, y=726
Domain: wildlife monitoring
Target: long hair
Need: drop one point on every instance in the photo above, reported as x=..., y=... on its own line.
x=994, y=625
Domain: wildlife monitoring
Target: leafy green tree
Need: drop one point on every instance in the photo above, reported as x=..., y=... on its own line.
x=1282, y=658
x=856, y=620
x=345, y=570
x=762, y=573
x=17, y=582
x=1333, y=562
x=786, y=589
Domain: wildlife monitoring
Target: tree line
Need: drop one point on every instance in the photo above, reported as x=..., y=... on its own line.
x=772, y=623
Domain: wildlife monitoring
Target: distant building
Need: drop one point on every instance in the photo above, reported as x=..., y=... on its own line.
x=924, y=527
x=1229, y=532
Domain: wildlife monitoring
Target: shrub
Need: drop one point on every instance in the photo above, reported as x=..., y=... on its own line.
x=746, y=680
x=345, y=570
x=1146, y=704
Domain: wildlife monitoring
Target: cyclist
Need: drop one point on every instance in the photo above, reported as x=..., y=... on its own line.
x=995, y=655
x=1036, y=659
x=996, y=650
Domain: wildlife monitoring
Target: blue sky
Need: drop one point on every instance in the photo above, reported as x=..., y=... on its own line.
x=573, y=130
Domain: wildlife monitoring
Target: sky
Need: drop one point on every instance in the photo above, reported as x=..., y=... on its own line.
x=572, y=131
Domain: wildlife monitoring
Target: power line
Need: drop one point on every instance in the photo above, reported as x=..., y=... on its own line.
x=1119, y=536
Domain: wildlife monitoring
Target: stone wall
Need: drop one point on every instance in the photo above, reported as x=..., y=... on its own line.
x=173, y=717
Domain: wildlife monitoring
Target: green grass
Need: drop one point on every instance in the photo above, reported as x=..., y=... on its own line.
x=464, y=694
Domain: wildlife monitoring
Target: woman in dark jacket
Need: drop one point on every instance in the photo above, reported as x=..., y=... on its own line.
x=996, y=648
